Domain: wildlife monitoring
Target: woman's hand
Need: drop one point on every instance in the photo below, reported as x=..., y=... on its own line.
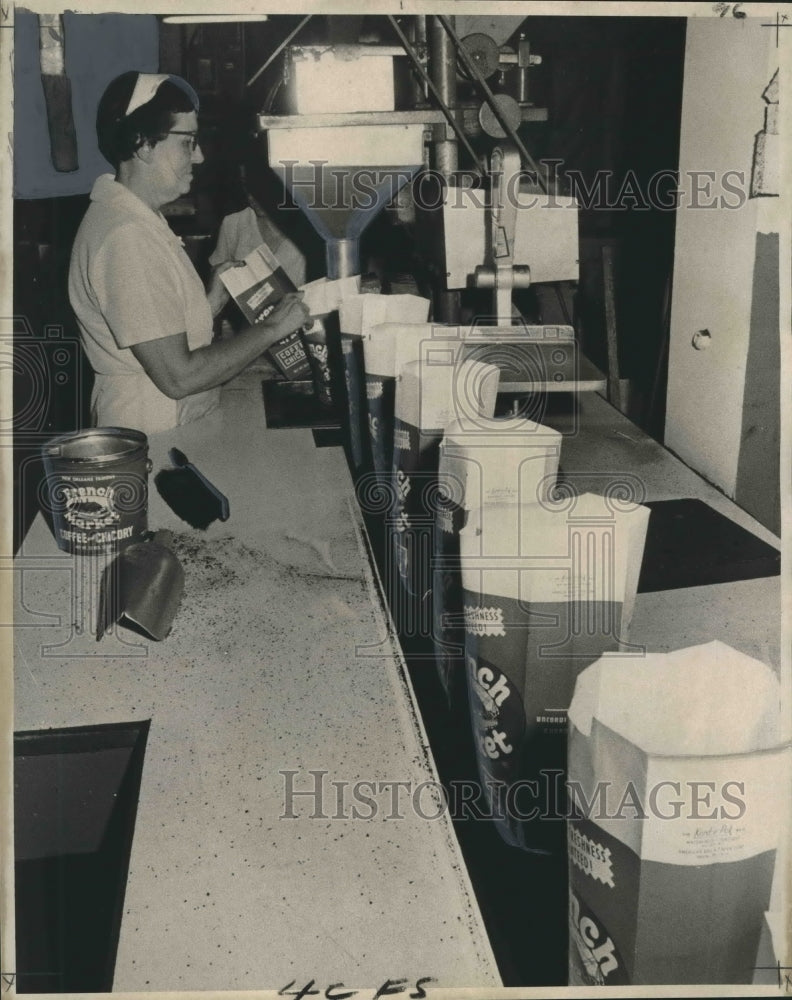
x=216, y=293
x=290, y=314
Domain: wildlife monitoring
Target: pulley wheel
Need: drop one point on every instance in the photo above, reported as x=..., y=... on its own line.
x=510, y=110
x=484, y=52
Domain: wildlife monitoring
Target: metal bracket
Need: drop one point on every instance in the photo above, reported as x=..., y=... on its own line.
x=502, y=274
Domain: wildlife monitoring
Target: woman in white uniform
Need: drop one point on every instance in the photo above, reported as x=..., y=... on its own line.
x=144, y=315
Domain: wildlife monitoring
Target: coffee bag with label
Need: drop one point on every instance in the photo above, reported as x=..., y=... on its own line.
x=481, y=460
x=679, y=779
x=428, y=394
x=350, y=322
x=547, y=588
x=387, y=344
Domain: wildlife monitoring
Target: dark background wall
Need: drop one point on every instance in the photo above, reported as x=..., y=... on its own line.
x=613, y=87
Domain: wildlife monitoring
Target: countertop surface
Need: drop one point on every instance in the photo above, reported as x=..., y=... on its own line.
x=280, y=660
x=603, y=450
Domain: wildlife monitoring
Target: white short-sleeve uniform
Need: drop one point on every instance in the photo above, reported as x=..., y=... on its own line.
x=131, y=281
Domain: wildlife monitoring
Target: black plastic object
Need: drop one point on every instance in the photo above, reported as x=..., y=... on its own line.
x=190, y=495
x=689, y=544
x=181, y=461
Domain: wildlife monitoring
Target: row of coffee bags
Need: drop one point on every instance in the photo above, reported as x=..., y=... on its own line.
x=664, y=776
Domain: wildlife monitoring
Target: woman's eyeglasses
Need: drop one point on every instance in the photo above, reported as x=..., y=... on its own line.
x=195, y=141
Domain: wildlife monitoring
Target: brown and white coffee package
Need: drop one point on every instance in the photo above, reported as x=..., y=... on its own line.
x=547, y=588
x=679, y=779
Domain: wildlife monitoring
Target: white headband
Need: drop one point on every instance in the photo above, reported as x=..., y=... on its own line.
x=147, y=86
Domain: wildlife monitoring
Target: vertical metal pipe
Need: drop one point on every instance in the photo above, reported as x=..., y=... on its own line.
x=447, y=306
x=343, y=258
x=443, y=70
x=522, y=85
x=522, y=76
x=420, y=29
x=418, y=38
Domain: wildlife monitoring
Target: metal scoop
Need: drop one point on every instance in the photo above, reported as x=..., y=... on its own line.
x=141, y=589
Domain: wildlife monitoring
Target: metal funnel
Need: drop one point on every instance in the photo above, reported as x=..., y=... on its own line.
x=342, y=176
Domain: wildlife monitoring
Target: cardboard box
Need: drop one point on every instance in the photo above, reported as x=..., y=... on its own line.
x=325, y=79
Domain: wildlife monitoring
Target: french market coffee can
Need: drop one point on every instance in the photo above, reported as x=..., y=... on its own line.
x=96, y=488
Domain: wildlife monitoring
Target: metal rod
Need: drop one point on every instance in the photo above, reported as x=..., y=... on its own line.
x=279, y=49
x=522, y=85
x=505, y=124
x=430, y=84
x=522, y=73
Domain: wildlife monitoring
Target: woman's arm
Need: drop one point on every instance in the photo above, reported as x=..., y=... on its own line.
x=216, y=292
x=177, y=371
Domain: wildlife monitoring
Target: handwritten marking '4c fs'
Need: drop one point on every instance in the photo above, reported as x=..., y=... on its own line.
x=337, y=991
